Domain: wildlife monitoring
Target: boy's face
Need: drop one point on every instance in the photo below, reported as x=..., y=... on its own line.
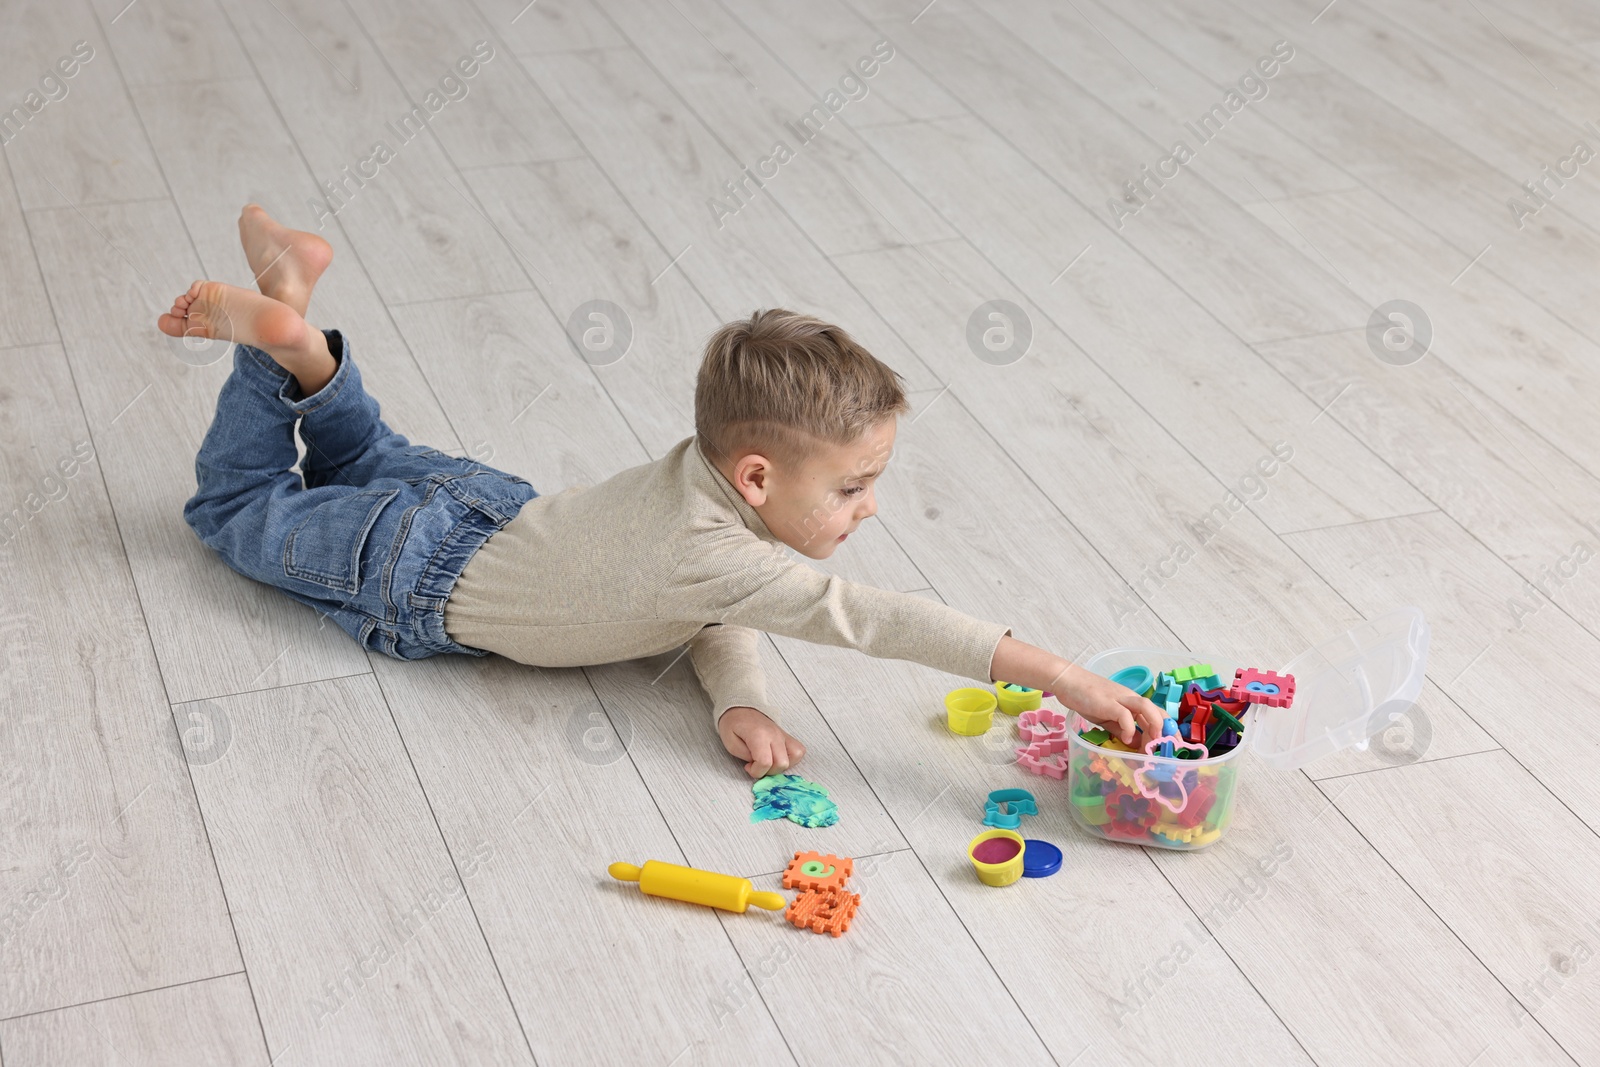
x=813, y=509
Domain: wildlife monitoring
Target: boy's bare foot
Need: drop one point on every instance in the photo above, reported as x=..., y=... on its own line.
x=286, y=263
x=228, y=313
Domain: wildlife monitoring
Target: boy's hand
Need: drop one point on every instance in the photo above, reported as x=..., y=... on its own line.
x=757, y=740
x=1105, y=703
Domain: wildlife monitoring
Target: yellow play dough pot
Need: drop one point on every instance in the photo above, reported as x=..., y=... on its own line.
x=1015, y=703
x=969, y=712
x=997, y=856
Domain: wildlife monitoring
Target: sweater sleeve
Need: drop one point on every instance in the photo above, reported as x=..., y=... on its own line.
x=727, y=659
x=752, y=583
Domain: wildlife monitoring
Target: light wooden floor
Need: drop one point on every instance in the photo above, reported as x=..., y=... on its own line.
x=231, y=837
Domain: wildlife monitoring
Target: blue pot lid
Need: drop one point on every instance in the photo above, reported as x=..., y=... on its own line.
x=1040, y=859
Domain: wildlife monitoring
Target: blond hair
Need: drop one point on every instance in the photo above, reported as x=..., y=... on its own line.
x=779, y=382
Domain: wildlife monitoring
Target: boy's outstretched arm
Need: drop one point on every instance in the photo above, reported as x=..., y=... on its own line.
x=1100, y=700
x=754, y=586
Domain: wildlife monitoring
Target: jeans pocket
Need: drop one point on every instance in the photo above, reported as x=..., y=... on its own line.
x=492, y=493
x=326, y=547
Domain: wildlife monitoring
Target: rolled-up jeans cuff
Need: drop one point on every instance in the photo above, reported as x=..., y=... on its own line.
x=290, y=393
x=289, y=387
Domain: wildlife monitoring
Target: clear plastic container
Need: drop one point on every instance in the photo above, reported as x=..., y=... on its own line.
x=1347, y=689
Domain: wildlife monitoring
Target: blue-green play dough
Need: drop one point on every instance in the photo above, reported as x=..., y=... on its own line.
x=789, y=796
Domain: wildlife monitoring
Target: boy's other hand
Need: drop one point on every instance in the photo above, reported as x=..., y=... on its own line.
x=1105, y=703
x=756, y=739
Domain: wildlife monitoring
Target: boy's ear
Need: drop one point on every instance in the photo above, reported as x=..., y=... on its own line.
x=751, y=476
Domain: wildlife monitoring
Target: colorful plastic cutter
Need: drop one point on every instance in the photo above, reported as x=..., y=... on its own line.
x=1041, y=724
x=1016, y=802
x=1037, y=757
x=1159, y=772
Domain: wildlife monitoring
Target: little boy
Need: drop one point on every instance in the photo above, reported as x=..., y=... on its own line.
x=414, y=552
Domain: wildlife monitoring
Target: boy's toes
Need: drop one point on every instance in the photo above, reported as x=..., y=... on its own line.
x=175, y=323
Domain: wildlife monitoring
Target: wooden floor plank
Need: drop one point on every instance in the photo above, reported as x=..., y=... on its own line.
x=107, y=883
x=1572, y=21
x=211, y=1021
x=1505, y=129
x=1158, y=92
x=366, y=949
x=552, y=25
x=175, y=41
x=1419, y=170
x=77, y=140
x=826, y=40
x=1353, y=982
x=1158, y=348
x=617, y=104
x=1479, y=326
x=1531, y=506
x=1188, y=231
x=1508, y=46
x=530, y=405
x=583, y=244
x=1520, y=883
x=27, y=320
x=430, y=45
x=837, y=190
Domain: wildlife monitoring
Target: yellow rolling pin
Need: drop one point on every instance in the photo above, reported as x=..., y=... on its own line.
x=696, y=886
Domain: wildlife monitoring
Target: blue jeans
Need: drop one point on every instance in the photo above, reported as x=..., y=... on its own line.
x=375, y=530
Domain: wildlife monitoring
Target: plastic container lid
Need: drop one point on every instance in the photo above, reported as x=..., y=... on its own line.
x=1040, y=859
x=1347, y=689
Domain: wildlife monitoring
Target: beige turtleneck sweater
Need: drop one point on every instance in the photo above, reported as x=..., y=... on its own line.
x=666, y=553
